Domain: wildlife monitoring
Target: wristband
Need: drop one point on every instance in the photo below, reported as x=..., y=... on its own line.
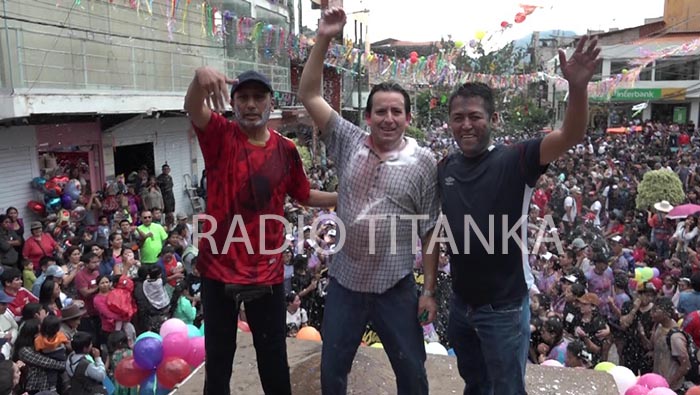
x=427, y=293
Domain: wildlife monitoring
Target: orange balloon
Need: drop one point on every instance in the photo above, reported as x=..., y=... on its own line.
x=309, y=333
x=520, y=17
x=693, y=390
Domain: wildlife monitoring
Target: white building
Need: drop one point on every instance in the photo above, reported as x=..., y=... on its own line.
x=103, y=83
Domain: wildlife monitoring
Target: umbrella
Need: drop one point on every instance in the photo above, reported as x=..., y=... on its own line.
x=683, y=211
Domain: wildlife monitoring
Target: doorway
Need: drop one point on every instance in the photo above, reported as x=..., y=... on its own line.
x=130, y=158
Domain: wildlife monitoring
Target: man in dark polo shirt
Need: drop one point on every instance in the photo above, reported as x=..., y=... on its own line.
x=250, y=169
x=487, y=189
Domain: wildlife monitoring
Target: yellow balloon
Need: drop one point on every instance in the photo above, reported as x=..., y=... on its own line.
x=625, y=71
x=604, y=366
x=480, y=35
x=377, y=345
x=459, y=44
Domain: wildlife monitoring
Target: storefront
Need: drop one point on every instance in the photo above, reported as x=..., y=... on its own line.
x=664, y=104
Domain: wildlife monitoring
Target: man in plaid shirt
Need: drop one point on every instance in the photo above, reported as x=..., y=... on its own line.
x=386, y=197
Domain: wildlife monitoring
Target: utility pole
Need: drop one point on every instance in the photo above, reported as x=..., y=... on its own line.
x=358, y=45
x=555, y=105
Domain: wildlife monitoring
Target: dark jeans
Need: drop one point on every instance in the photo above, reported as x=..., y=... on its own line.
x=491, y=343
x=267, y=320
x=394, y=315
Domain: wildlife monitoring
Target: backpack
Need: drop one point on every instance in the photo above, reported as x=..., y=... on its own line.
x=694, y=372
x=83, y=385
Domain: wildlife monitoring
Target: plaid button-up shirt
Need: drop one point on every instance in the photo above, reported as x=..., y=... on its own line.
x=38, y=365
x=369, y=187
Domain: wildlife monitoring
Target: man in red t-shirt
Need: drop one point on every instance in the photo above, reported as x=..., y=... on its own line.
x=250, y=171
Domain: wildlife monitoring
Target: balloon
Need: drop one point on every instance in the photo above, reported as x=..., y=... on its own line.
x=505, y=24
x=662, y=391
x=52, y=189
x=73, y=189
x=604, y=366
x=196, y=353
x=656, y=272
x=414, y=54
x=172, y=371
x=435, y=348
x=625, y=71
x=78, y=213
x=633, y=285
x=173, y=325
x=148, y=353
x=377, y=345
x=414, y=60
x=193, y=331
x=243, y=326
x=652, y=380
x=128, y=374
x=60, y=180
x=38, y=183
x=637, y=390
x=309, y=333
x=150, y=387
x=148, y=334
x=638, y=275
x=658, y=283
x=53, y=204
x=552, y=362
x=176, y=344
x=66, y=201
x=201, y=329
x=647, y=273
x=520, y=17
x=472, y=43
x=693, y=390
x=459, y=44
x=37, y=208
x=480, y=35
x=624, y=378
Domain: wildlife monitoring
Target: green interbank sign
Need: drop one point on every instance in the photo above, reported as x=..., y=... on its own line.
x=639, y=94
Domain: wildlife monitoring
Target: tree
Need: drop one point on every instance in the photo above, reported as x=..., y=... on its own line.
x=416, y=133
x=432, y=108
x=658, y=185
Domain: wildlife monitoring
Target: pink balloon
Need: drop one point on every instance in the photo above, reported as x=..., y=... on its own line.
x=637, y=390
x=176, y=344
x=661, y=391
x=196, y=353
x=173, y=325
x=652, y=380
x=552, y=362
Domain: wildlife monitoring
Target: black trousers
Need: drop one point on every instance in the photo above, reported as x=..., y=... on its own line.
x=267, y=320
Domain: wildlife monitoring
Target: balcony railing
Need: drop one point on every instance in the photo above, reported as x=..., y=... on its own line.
x=104, y=47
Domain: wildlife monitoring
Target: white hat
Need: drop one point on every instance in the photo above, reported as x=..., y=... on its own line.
x=663, y=206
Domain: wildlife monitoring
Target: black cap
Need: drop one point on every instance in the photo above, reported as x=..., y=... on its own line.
x=251, y=76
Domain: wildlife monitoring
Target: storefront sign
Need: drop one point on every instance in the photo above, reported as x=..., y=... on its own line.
x=639, y=94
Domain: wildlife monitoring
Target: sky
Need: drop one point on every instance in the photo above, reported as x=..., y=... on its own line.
x=430, y=20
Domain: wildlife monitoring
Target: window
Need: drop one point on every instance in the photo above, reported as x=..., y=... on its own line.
x=678, y=69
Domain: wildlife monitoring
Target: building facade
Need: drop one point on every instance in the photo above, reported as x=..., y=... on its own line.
x=100, y=84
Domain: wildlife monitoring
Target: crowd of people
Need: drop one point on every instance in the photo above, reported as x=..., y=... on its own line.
x=85, y=294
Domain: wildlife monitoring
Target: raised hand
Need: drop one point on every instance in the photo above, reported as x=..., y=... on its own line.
x=215, y=85
x=332, y=22
x=582, y=65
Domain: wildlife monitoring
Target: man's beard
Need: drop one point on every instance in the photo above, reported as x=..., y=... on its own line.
x=245, y=124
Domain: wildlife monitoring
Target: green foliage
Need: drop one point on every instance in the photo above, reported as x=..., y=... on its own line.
x=426, y=116
x=416, y=133
x=658, y=185
x=522, y=115
x=505, y=60
x=305, y=154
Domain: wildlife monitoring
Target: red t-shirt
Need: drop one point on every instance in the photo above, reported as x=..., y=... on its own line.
x=244, y=182
x=22, y=298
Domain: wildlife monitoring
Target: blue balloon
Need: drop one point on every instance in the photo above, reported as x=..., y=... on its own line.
x=38, y=183
x=150, y=387
x=193, y=331
x=66, y=201
x=148, y=353
x=53, y=204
